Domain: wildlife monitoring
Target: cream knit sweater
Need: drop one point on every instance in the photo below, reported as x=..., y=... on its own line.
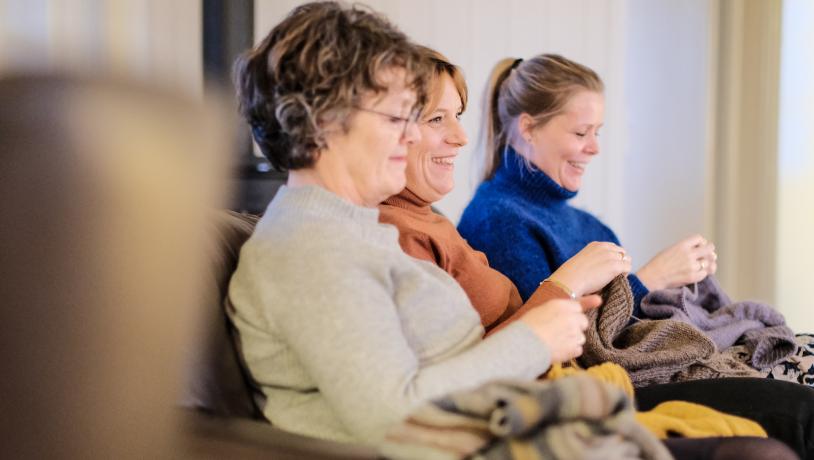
x=346, y=334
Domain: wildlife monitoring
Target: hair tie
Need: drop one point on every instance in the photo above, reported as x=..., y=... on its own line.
x=516, y=63
x=259, y=132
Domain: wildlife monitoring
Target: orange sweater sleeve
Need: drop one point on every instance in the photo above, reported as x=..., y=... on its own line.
x=544, y=293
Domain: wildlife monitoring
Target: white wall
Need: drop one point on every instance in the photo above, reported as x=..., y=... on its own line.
x=666, y=78
x=795, y=226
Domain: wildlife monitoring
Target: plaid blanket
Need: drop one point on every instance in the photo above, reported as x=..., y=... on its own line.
x=572, y=417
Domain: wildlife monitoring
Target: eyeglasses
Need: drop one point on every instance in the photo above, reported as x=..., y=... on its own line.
x=396, y=119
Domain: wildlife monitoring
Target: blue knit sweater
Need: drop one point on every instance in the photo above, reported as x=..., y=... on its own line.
x=522, y=220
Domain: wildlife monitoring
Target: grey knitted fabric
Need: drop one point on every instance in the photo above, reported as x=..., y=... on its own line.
x=568, y=418
x=345, y=333
x=706, y=305
x=652, y=351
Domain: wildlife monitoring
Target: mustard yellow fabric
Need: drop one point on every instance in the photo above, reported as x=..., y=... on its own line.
x=691, y=420
x=670, y=418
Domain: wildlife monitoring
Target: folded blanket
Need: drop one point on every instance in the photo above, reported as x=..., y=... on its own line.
x=658, y=351
x=571, y=417
x=706, y=306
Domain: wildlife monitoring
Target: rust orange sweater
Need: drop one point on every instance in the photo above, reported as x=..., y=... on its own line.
x=428, y=236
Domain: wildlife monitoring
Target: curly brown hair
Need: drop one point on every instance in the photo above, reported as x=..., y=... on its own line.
x=312, y=69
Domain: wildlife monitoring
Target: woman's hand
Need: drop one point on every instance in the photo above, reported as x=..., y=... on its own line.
x=688, y=261
x=561, y=324
x=593, y=267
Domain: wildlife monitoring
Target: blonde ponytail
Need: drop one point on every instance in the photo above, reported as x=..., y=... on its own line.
x=493, y=134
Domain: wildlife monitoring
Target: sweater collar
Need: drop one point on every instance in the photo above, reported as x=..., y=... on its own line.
x=409, y=201
x=534, y=183
x=313, y=198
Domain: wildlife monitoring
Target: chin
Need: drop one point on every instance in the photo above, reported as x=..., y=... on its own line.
x=572, y=185
x=445, y=190
x=395, y=187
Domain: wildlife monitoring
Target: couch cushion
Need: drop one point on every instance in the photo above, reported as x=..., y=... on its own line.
x=217, y=382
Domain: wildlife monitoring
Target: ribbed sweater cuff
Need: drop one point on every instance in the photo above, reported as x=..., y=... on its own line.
x=523, y=344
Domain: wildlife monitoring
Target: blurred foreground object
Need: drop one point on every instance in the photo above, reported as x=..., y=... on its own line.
x=105, y=190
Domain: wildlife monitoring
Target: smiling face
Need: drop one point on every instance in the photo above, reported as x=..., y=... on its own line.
x=563, y=147
x=431, y=161
x=370, y=156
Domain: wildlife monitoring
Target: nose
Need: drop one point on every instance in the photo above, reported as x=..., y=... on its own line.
x=412, y=134
x=592, y=147
x=457, y=135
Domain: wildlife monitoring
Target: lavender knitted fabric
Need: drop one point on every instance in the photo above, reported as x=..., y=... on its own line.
x=706, y=306
x=652, y=351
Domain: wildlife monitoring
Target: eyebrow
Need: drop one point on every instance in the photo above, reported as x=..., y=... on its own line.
x=438, y=109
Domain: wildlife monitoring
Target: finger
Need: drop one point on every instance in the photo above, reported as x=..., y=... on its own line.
x=693, y=241
x=589, y=302
x=713, y=267
x=581, y=339
x=582, y=322
x=699, y=274
x=701, y=265
x=577, y=352
x=697, y=260
x=625, y=265
x=574, y=307
x=705, y=250
x=618, y=249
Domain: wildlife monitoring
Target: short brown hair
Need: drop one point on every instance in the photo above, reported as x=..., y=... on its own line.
x=311, y=69
x=540, y=87
x=441, y=66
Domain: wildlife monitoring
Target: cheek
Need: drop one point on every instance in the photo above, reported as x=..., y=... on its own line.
x=412, y=170
x=433, y=140
x=420, y=154
x=381, y=148
x=544, y=155
x=563, y=151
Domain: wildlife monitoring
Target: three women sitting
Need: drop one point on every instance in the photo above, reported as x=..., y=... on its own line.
x=343, y=332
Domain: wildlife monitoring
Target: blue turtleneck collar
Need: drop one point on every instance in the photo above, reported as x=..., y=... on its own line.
x=515, y=172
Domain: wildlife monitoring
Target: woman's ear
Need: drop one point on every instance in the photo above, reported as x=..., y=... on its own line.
x=525, y=125
x=332, y=126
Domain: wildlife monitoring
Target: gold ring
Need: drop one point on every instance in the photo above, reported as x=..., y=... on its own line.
x=622, y=255
x=702, y=264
